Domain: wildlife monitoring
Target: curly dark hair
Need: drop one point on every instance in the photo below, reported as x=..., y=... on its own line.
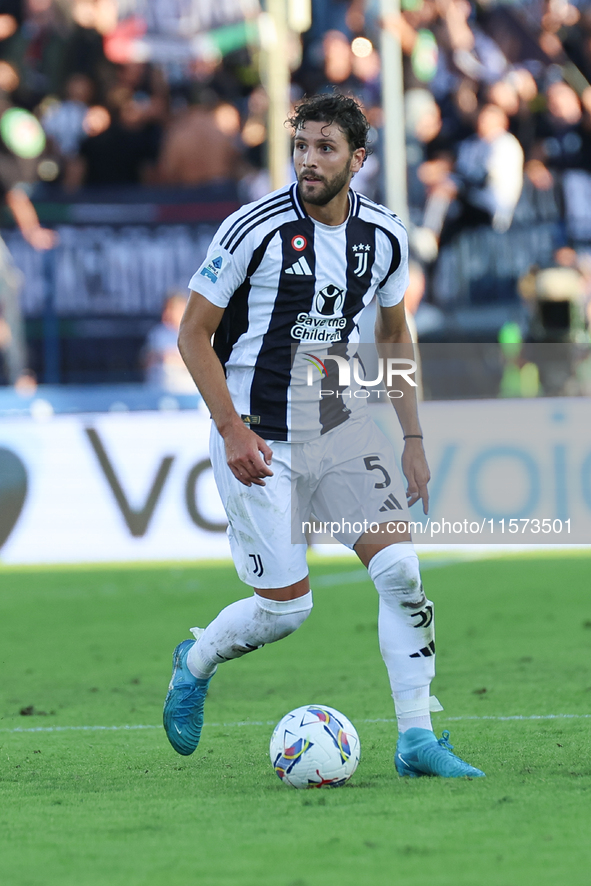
x=334, y=108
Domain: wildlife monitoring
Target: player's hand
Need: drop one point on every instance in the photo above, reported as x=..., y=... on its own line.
x=248, y=455
x=416, y=471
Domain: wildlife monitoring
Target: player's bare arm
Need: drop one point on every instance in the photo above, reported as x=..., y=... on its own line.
x=247, y=454
x=391, y=328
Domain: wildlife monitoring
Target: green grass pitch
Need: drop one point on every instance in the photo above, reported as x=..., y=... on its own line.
x=117, y=807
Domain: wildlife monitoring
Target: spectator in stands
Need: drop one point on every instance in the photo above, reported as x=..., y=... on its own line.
x=200, y=145
x=488, y=176
x=38, y=51
x=338, y=65
x=63, y=121
x=367, y=68
x=326, y=46
x=123, y=153
x=11, y=17
x=424, y=141
x=514, y=95
x=556, y=19
x=163, y=363
x=147, y=86
x=91, y=21
x=470, y=51
x=461, y=49
x=559, y=133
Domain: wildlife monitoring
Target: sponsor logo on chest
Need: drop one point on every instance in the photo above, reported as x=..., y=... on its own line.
x=324, y=323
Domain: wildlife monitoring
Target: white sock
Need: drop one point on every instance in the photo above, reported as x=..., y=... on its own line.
x=244, y=626
x=406, y=632
x=412, y=708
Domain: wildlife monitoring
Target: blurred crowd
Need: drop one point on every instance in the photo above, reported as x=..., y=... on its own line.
x=489, y=87
x=497, y=99
x=495, y=95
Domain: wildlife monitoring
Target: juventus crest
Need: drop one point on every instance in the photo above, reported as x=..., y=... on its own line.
x=361, y=253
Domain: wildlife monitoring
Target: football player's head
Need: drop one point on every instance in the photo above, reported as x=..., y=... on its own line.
x=334, y=108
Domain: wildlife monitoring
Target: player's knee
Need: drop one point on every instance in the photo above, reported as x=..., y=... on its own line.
x=283, y=617
x=395, y=573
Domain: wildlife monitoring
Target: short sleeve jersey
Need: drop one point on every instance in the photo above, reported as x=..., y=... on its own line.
x=289, y=283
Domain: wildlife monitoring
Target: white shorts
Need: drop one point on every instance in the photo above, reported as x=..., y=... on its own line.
x=347, y=479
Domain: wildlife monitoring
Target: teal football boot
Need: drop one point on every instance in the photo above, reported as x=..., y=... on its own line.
x=183, y=707
x=419, y=752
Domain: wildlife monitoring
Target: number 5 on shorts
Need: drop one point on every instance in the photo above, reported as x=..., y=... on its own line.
x=372, y=463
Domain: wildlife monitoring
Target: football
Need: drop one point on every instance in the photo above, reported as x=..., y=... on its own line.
x=314, y=747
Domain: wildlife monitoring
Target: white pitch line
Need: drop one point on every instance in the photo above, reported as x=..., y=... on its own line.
x=530, y=717
x=354, y=576
x=272, y=723
x=124, y=728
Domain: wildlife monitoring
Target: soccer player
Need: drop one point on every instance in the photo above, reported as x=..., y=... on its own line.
x=296, y=269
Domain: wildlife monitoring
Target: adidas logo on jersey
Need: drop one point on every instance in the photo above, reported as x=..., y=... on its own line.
x=300, y=267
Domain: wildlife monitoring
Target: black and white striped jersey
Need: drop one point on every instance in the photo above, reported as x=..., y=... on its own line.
x=287, y=280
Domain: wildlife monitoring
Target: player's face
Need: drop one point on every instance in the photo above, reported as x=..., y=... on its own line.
x=324, y=162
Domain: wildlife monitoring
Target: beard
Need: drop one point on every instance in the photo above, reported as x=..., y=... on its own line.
x=331, y=188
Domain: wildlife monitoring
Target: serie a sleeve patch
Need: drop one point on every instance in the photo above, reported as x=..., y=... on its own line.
x=212, y=268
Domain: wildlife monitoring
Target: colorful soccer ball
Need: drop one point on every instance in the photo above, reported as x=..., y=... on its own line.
x=314, y=747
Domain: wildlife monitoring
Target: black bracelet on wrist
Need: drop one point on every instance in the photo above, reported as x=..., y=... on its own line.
x=417, y=436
